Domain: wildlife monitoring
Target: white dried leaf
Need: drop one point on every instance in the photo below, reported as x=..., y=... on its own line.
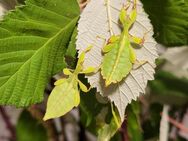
x=176, y=60
x=2, y=10
x=175, y=70
x=177, y=56
x=94, y=23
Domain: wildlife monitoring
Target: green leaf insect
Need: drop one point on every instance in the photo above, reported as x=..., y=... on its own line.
x=119, y=55
x=65, y=95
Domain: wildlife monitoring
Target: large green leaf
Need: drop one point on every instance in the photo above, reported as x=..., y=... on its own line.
x=170, y=20
x=29, y=129
x=151, y=124
x=133, y=125
x=97, y=116
x=70, y=55
x=33, y=41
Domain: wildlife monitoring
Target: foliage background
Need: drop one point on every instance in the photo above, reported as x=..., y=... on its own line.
x=170, y=21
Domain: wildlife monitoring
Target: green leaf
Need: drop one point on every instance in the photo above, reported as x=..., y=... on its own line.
x=151, y=125
x=133, y=126
x=97, y=117
x=169, y=89
x=90, y=107
x=108, y=130
x=71, y=52
x=29, y=129
x=170, y=20
x=33, y=41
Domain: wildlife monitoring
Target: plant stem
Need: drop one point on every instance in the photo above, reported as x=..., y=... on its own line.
x=8, y=123
x=124, y=132
x=49, y=125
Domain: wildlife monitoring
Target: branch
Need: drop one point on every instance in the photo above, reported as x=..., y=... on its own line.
x=9, y=125
x=124, y=132
x=178, y=125
x=49, y=125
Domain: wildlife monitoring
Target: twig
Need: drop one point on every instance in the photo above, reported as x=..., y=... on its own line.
x=63, y=129
x=9, y=125
x=5, y=138
x=178, y=124
x=82, y=135
x=124, y=132
x=49, y=125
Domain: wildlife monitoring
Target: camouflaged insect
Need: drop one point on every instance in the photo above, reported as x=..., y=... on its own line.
x=119, y=55
x=66, y=95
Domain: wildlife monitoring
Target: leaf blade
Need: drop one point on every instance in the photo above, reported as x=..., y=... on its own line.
x=43, y=46
x=170, y=21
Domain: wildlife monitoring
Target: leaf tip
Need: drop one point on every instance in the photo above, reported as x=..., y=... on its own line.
x=45, y=118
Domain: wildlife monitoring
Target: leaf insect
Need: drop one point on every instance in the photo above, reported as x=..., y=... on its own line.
x=65, y=95
x=119, y=55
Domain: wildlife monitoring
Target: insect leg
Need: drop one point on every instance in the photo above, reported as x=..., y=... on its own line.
x=127, y=5
x=104, y=44
x=115, y=116
x=137, y=40
x=88, y=70
x=133, y=15
x=67, y=71
x=107, y=44
x=60, y=81
x=107, y=48
x=110, y=44
x=132, y=55
x=133, y=59
x=83, y=87
x=82, y=55
x=138, y=64
x=114, y=38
